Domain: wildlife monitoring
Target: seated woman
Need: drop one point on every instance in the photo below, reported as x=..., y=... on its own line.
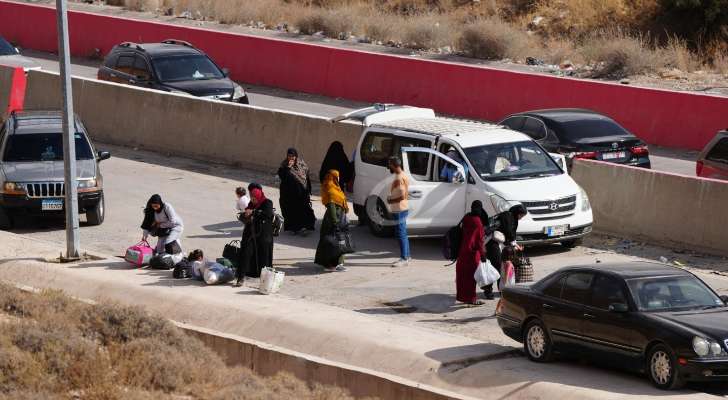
x=162, y=221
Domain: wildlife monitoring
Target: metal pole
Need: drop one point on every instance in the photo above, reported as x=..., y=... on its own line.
x=69, y=132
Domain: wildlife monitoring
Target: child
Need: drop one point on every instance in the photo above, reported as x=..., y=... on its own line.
x=508, y=271
x=243, y=199
x=197, y=259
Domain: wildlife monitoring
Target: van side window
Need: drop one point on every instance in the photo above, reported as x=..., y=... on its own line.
x=719, y=152
x=377, y=148
x=418, y=162
x=444, y=169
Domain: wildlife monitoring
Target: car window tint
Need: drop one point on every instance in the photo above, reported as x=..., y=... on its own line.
x=111, y=61
x=591, y=128
x=125, y=63
x=377, y=148
x=719, y=152
x=418, y=161
x=553, y=289
x=607, y=290
x=140, y=68
x=44, y=147
x=577, y=287
x=672, y=293
x=534, y=128
x=515, y=123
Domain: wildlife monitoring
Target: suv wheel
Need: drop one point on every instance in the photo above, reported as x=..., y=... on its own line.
x=6, y=221
x=95, y=215
x=379, y=219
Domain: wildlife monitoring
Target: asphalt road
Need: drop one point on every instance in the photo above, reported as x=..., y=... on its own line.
x=668, y=160
x=421, y=295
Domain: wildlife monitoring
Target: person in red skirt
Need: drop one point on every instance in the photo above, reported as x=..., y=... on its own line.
x=472, y=251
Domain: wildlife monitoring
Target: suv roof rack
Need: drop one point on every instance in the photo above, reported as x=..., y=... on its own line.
x=178, y=42
x=130, y=44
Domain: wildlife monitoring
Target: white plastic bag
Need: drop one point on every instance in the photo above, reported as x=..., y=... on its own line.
x=486, y=274
x=270, y=280
x=509, y=275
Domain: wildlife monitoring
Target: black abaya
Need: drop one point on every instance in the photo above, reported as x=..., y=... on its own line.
x=295, y=201
x=257, y=244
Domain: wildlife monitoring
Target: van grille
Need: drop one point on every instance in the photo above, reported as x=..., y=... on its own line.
x=46, y=189
x=551, y=206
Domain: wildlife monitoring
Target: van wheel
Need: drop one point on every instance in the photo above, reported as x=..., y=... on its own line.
x=6, y=221
x=379, y=220
x=570, y=244
x=95, y=215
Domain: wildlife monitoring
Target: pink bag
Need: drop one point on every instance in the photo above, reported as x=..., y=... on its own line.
x=509, y=275
x=139, y=254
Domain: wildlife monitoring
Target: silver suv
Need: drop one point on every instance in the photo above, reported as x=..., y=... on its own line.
x=31, y=168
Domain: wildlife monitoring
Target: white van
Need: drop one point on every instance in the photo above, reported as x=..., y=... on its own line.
x=491, y=163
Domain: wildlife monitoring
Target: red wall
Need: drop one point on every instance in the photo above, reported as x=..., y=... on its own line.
x=673, y=119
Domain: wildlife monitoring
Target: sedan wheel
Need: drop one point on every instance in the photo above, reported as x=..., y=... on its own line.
x=537, y=342
x=662, y=370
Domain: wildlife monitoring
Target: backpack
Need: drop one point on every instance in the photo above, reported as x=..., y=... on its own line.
x=451, y=242
x=161, y=262
x=182, y=270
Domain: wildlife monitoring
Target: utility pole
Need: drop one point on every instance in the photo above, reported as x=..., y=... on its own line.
x=69, y=133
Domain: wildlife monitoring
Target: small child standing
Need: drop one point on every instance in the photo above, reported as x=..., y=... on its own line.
x=508, y=270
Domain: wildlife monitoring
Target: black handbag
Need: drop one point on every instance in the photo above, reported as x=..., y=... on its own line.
x=231, y=251
x=343, y=236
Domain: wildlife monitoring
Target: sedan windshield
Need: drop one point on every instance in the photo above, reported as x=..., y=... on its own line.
x=6, y=49
x=43, y=147
x=511, y=161
x=672, y=293
x=186, y=68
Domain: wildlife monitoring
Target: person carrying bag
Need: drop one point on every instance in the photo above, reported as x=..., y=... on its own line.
x=335, y=239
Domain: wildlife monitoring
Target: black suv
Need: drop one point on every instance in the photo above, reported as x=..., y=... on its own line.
x=31, y=168
x=171, y=66
x=578, y=133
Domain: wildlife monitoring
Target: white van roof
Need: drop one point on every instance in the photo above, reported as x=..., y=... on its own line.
x=423, y=120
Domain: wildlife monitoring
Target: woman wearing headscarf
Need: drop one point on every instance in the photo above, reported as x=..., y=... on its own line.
x=256, y=246
x=162, y=221
x=508, y=226
x=328, y=255
x=471, y=253
x=295, y=196
x=336, y=159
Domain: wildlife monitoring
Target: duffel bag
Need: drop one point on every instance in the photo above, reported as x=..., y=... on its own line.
x=162, y=261
x=139, y=254
x=182, y=270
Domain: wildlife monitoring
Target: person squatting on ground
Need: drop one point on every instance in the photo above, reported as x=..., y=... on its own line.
x=295, y=194
x=162, y=221
x=336, y=159
x=328, y=253
x=471, y=253
x=256, y=246
x=398, y=204
x=508, y=227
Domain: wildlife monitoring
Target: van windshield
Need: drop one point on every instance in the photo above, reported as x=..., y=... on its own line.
x=44, y=147
x=511, y=161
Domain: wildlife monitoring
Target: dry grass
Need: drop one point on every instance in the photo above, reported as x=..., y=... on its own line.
x=59, y=348
x=552, y=30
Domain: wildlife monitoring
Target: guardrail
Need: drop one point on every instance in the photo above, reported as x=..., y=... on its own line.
x=678, y=211
x=661, y=117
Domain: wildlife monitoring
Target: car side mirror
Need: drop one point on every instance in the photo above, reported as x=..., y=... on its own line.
x=618, y=308
x=725, y=299
x=226, y=72
x=103, y=155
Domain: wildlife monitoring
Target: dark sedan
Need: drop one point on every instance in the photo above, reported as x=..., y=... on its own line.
x=642, y=316
x=577, y=133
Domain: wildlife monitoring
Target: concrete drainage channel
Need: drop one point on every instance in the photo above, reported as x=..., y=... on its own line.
x=265, y=359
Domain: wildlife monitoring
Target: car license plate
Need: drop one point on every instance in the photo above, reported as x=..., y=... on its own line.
x=51, y=204
x=613, y=155
x=553, y=231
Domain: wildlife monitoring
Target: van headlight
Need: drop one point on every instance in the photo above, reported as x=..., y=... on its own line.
x=585, y=205
x=87, y=183
x=239, y=92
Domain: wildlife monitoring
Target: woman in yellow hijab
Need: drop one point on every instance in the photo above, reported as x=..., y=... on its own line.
x=328, y=255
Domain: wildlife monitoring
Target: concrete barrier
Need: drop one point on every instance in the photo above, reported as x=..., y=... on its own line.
x=661, y=117
x=674, y=210
x=192, y=127
x=266, y=360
